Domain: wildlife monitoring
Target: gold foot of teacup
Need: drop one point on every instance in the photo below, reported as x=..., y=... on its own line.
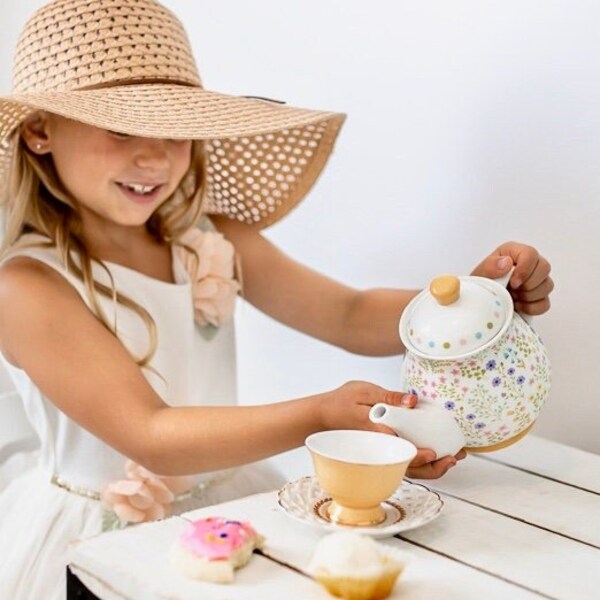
x=501, y=445
x=358, y=517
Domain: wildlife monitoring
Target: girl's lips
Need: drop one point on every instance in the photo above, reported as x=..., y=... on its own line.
x=140, y=198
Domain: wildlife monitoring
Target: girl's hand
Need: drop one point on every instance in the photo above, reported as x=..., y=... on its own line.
x=530, y=284
x=348, y=406
x=426, y=466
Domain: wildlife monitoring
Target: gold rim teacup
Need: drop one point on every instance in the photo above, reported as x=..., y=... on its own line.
x=359, y=470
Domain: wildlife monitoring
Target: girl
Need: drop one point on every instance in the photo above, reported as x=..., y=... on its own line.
x=117, y=289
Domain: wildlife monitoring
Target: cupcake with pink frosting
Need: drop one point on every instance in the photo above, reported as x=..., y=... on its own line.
x=211, y=549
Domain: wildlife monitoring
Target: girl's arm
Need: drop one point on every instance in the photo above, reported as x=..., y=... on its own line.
x=47, y=330
x=364, y=322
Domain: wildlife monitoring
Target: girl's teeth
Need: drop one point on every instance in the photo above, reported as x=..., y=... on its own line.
x=140, y=189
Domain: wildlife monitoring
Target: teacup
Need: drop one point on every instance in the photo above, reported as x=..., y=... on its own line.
x=359, y=470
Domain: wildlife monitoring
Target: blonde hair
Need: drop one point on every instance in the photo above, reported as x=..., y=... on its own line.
x=36, y=201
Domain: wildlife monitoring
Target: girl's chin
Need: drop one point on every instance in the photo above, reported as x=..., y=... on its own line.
x=122, y=213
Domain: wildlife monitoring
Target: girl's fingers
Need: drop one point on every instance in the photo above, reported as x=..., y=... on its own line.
x=533, y=308
x=530, y=279
x=432, y=470
x=422, y=468
x=537, y=293
x=525, y=258
x=424, y=456
x=530, y=269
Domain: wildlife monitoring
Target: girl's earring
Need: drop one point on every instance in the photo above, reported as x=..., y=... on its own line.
x=38, y=146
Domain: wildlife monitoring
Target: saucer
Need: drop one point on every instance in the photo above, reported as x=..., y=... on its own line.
x=410, y=506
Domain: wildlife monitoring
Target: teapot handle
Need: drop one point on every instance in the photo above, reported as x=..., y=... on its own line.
x=503, y=281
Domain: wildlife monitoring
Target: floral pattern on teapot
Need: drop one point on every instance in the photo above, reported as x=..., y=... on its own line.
x=494, y=394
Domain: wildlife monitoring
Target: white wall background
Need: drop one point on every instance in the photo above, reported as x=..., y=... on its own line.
x=471, y=122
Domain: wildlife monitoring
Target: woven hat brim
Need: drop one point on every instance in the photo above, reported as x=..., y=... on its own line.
x=299, y=140
x=161, y=111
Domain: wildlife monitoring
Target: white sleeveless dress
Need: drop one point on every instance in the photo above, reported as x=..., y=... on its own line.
x=38, y=518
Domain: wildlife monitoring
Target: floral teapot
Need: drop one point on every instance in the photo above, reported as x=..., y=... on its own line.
x=471, y=355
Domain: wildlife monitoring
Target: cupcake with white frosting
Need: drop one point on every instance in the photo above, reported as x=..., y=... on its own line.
x=356, y=567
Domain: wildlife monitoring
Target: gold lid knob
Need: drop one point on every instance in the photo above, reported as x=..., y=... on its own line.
x=445, y=289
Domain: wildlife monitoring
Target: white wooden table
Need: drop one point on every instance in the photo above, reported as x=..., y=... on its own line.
x=520, y=523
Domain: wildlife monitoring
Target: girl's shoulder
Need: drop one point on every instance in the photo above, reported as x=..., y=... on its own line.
x=32, y=245
x=32, y=267
x=33, y=296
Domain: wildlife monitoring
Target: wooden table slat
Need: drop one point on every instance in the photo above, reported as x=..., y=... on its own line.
x=535, y=500
x=546, y=458
x=530, y=557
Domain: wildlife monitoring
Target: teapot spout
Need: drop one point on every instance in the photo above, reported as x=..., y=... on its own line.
x=426, y=426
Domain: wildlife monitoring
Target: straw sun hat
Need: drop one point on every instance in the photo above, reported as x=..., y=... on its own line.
x=127, y=66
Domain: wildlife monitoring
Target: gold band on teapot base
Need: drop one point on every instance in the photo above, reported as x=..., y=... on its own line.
x=501, y=445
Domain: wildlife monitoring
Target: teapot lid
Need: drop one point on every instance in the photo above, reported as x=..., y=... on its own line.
x=455, y=317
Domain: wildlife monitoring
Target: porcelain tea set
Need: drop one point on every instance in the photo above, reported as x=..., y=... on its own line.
x=481, y=375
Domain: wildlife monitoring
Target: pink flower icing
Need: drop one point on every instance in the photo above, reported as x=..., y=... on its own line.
x=215, y=538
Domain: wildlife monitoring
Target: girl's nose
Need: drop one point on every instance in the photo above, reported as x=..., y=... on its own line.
x=152, y=154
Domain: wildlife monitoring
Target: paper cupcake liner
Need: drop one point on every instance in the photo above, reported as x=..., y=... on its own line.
x=361, y=588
